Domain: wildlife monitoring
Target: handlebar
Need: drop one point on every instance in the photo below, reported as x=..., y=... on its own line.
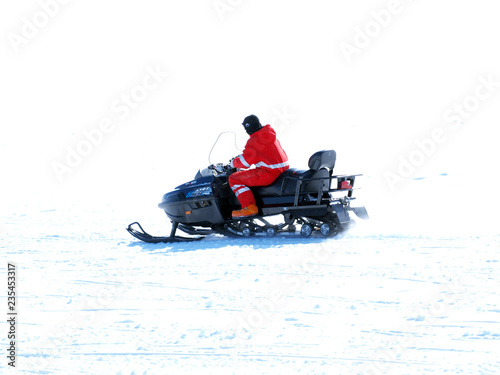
x=221, y=168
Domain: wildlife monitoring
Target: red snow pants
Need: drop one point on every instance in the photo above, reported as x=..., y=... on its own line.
x=240, y=182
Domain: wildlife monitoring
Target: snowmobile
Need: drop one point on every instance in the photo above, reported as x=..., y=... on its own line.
x=305, y=198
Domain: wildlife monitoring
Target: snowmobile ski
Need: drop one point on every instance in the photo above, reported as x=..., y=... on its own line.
x=142, y=235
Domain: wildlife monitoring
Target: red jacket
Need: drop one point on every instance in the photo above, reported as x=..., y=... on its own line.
x=264, y=150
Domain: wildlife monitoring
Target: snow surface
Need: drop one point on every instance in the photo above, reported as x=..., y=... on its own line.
x=414, y=290
x=374, y=301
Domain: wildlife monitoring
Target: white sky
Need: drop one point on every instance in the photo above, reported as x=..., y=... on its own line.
x=262, y=57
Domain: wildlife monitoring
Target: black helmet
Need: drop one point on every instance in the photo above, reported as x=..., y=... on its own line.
x=251, y=124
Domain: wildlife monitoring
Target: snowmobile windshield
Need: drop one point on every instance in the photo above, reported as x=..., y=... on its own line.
x=224, y=148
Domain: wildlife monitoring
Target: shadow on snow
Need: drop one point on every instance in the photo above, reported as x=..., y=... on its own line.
x=219, y=242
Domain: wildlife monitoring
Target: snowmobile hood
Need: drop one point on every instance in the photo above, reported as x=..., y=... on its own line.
x=203, y=181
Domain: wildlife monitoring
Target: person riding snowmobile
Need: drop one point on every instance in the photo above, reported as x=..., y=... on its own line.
x=265, y=152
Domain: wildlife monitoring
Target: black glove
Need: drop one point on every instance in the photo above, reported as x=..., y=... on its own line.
x=231, y=162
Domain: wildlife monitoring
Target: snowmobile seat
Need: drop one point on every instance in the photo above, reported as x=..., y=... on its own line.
x=320, y=164
x=284, y=185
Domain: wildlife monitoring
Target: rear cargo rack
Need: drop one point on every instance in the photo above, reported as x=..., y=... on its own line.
x=344, y=183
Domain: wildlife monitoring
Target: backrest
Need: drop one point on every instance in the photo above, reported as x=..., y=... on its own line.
x=321, y=164
x=323, y=159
